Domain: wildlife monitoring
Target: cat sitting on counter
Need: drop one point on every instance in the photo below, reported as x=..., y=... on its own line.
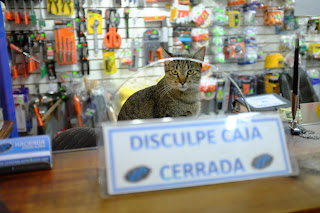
x=176, y=94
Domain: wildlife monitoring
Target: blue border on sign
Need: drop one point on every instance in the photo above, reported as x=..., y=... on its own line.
x=195, y=182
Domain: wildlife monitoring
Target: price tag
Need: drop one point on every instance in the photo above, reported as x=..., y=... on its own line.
x=191, y=152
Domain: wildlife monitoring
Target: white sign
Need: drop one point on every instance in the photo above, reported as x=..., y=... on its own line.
x=263, y=101
x=153, y=156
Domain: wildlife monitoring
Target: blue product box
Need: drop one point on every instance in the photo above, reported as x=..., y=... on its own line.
x=25, y=154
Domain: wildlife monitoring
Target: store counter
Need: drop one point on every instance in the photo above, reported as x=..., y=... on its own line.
x=72, y=186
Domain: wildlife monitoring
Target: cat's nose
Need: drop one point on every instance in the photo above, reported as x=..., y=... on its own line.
x=182, y=81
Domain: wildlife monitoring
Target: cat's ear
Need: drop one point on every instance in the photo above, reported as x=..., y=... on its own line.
x=199, y=55
x=165, y=53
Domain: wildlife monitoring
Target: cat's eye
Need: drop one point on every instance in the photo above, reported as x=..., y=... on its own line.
x=174, y=72
x=190, y=72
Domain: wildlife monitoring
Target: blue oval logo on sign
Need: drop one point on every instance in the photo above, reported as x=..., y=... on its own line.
x=5, y=147
x=262, y=161
x=137, y=174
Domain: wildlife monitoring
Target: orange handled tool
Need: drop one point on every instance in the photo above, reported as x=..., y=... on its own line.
x=17, y=17
x=14, y=67
x=16, y=48
x=77, y=106
x=112, y=39
x=8, y=13
x=39, y=120
x=25, y=12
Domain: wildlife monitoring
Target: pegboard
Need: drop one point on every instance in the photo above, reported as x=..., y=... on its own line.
x=266, y=37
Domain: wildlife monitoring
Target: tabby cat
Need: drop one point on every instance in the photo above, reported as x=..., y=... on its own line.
x=176, y=94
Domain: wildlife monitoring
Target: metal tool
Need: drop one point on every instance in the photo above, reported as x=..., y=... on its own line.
x=64, y=50
x=11, y=37
x=42, y=22
x=12, y=46
x=126, y=16
x=84, y=53
x=17, y=17
x=51, y=4
x=66, y=3
x=32, y=64
x=95, y=28
x=59, y=45
x=8, y=13
x=112, y=39
x=33, y=14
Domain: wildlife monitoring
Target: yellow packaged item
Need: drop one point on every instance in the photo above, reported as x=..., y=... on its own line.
x=92, y=16
x=274, y=61
x=60, y=7
x=109, y=59
x=234, y=18
x=314, y=50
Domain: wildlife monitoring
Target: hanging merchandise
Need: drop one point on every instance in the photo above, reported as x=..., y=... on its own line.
x=40, y=38
x=206, y=68
x=234, y=47
x=50, y=63
x=274, y=61
x=219, y=16
x=164, y=28
x=290, y=23
x=287, y=42
x=95, y=26
x=182, y=40
x=250, y=35
x=271, y=82
x=234, y=17
x=236, y=2
x=84, y=54
x=313, y=26
x=217, y=44
x=274, y=16
x=65, y=42
x=125, y=57
x=219, y=95
x=112, y=39
x=135, y=50
x=82, y=39
x=200, y=16
x=8, y=14
x=33, y=15
x=32, y=65
x=25, y=12
x=200, y=37
x=60, y=7
x=80, y=18
x=135, y=47
x=208, y=86
x=109, y=58
x=249, y=14
x=247, y=84
x=151, y=46
x=42, y=22
x=314, y=51
x=218, y=31
x=251, y=55
x=288, y=4
x=180, y=13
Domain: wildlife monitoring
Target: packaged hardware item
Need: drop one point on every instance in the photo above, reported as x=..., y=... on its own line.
x=274, y=16
x=65, y=42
